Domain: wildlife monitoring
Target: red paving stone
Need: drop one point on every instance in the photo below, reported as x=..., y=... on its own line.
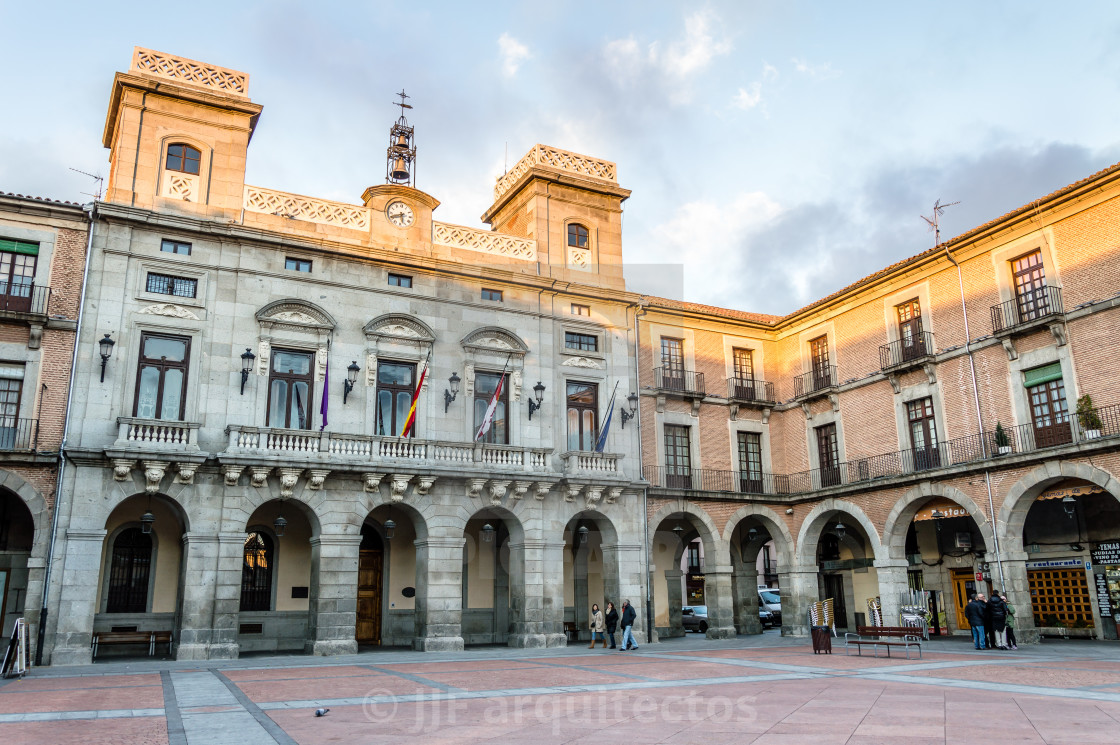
x=540, y=676
x=1031, y=675
x=82, y=681
x=354, y=686
x=90, y=698
x=419, y=668
x=690, y=670
x=135, y=731
x=301, y=673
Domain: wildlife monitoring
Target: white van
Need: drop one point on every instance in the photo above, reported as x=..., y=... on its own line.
x=769, y=599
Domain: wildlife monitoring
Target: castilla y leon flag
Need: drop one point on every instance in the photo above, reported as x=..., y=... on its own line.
x=489, y=418
x=411, y=420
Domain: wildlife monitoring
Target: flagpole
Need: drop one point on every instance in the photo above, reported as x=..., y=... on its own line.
x=492, y=407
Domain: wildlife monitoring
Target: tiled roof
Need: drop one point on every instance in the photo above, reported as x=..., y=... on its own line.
x=742, y=315
x=39, y=199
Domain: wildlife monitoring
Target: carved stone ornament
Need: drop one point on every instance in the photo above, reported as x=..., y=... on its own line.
x=1009, y=347
x=613, y=494
x=321, y=364
x=474, y=488
x=582, y=362
x=520, y=488
x=371, y=481
x=1059, y=332
x=515, y=385
x=766, y=415
x=805, y=408
x=493, y=342
x=424, y=484
x=122, y=468
x=468, y=381
x=153, y=475
x=399, y=486
x=171, y=311
x=185, y=473
x=498, y=491
x=371, y=370
x=258, y=475
x=264, y=353
x=571, y=491
x=896, y=382
x=294, y=316
x=594, y=494
x=232, y=474
x=930, y=369
x=398, y=329
x=288, y=479
x=541, y=490
x=316, y=477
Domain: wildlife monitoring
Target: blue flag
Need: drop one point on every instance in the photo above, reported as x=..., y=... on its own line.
x=326, y=391
x=602, y=441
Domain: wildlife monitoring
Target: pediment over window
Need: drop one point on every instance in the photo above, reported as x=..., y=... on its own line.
x=399, y=327
x=495, y=340
x=295, y=315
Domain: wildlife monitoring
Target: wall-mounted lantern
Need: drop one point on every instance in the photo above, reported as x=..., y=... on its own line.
x=538, y=395
x=627, y=415
x=247, y=358
x=449, y=395
x=352, y=371
x=106, y=347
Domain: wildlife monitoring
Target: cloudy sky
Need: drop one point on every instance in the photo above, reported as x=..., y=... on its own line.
x=778, y=150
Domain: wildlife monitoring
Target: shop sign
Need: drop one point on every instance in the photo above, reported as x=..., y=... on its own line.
x=1104, y=600
x=1072, y=488
x=944, y=507
x=1106, y=553
x=1054, y=564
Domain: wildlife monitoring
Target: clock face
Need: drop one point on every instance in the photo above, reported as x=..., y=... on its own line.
x=400, y=214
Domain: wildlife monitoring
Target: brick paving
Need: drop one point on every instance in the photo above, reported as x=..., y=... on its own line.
x=749, y=690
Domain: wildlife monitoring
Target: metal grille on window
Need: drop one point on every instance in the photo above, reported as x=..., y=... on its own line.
x=128, y=572
x=256, y=573
x=165, y=284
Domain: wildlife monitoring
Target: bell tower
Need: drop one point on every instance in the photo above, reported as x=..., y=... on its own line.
x=400, y=159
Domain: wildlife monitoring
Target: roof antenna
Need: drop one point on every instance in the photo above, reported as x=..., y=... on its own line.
x=934, y=222
x=99, y=181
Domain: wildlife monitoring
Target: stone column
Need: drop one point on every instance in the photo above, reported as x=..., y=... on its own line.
x=78, y=600
x=333, y=611
x=579, y=590
x=623, y=575
x=721, y=609
x=675, y=599
x=537, y=594
x=744, y=586
x=227, y=595
x=1018, y=593
x=199, y=580
x=893, y=582
x=439, y=598
x=799, y=587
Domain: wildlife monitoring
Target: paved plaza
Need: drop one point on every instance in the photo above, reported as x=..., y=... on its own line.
x=763, y=689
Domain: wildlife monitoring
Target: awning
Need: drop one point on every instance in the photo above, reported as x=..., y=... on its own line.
x=943, y=505
x=1072, y=488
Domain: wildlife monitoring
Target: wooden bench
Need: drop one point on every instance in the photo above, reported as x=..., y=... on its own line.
x=884, y=636
x=151, y=638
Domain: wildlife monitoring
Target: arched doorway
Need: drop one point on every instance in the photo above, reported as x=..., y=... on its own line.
x=17, y=537
x=689, y=571
x=493, y=579
x=841, y=545
x=760, y=550
x=590, y=570
x=392, y=590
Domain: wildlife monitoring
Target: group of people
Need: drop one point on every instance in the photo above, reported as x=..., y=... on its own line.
x=992, y=621
x=604, y=625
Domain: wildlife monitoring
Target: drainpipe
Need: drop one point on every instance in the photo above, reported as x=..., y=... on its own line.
x=90, y=209
x=979, y=419
x=639, y=311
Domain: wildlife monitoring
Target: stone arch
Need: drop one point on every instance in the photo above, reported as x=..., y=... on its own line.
x=898, y=521
x=236, y=517
x=714, y=544
x=36, y=505
x=776, y=526
x=178, y=508
x=418, y=516
x=295, y=313
x=1017, y=503
x=809, y=534
x=495, y=339
x=602, y=522
x=399, y=327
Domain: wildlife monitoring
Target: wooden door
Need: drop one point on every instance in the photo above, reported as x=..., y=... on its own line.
x=1030, y=287
x=834, y=588
x=964, y=584
x=1050, y=414
x=368, y=630
x=910, y=330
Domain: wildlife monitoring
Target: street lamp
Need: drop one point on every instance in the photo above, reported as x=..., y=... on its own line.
x=488, y=533
x=106, y=346
x=538, y=394
x=582, y=534
x=1069, y=504
x=247, y=358
x=449, y=395
x=147, y=519
x=390, y=529
x=627, y=415
x=840, y=529
x=352, y=371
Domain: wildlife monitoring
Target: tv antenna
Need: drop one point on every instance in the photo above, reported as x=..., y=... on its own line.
x=99, y=181
x=934, y=222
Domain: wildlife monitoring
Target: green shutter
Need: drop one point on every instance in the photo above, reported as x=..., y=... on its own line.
x=1043, y=374
x=19, y=247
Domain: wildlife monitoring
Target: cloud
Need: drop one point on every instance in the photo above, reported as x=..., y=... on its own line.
x=769, y=72
x=818, y=72
x=513, y=53
x=749, y=97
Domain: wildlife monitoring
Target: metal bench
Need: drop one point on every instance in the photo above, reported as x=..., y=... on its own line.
x=151, y=638
x=884, y=636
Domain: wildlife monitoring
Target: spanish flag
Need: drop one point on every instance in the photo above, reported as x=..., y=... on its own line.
x=411, y=420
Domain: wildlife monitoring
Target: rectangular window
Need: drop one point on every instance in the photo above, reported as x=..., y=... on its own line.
x=297, y=265
x=828, y=455
x=400, y=280
x=750, y=462
x=161, y=377
x=165, y=284
x=910, y=330
x=18, y=260
x=395, y=386
x=923, y=434
x=672, y=363
x=1049, y=412
x=484, y=386
x=1030, y=286
x=818, y=350
x=743, y=362
x=10, y=390
x=495, y=295
x=290, y=389
x=583, y=408
x=678, y=457
x=583, y=342
x=175, y=247
x=581, y=310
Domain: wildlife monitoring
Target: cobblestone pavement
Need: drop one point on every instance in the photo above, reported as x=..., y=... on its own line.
x=763, y=689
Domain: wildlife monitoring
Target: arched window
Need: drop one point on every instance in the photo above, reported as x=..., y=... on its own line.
x=129, y=571
x=183, y=158
x=577, y=235
x=256, y=573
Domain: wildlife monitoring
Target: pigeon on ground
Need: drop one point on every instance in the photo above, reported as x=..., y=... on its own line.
x=321, y=712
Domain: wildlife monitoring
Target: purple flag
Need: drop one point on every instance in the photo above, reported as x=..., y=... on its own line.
x=326, y=391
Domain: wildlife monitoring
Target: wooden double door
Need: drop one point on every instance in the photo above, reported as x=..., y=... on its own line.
x=370, y=565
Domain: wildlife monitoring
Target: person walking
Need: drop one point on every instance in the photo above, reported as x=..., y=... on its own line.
x=974, y=613
x=1011, y=642
x=997, y=614
x=989, y=634
x=612, y=622
x=629, y=615
x=598, y=626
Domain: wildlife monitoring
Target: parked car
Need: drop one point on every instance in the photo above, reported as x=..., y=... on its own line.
x=769, y=599
x=695, y=618
x=766, y=618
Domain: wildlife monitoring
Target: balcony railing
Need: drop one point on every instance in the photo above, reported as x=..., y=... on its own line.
x=679, y=380
x=1026, y=309
x=750, y=390
x=585, y=463
x=311, y=444
x=906, y=352
x=24, y=298
x=18, y=434
x=818, y=379
x=707, y=479
x=156, y=433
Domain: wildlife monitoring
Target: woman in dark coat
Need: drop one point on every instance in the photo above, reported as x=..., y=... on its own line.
x=612, y=622
x=997, y=609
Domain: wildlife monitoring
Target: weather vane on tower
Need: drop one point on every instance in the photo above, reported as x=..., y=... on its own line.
x=400, y=159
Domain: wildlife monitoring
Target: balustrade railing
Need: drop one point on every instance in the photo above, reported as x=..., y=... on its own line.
x=156, y=433
x=587, y=462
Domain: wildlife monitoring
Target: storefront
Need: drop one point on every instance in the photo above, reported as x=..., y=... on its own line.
x=1106, y=586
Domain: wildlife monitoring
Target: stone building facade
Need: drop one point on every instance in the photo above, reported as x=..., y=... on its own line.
x=239, y=476
x=42, y=254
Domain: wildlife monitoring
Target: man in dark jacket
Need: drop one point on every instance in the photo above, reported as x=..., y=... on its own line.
x=997, y=620
x=974, y=612
x=628, y=618
x=612, y=622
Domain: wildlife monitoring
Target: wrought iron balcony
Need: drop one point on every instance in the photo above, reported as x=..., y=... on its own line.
x=19, y=299
x=905, y=353
x=819, y=381
x=1027, y=310
x=678, y=380
x=18, y=434
x=750, y=391
x=707, y=479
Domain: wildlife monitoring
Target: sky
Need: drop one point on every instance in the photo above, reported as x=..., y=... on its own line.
x=777, y=150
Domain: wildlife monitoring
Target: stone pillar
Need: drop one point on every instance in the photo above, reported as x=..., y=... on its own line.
x=799, y=589
x=623, y=575
x=893, y=582
x=675, y=599
x=199, y=579
x=1018, y=593
x=333, y=612
x=439, y=598
x=744, y=589
x=582, y=607
x=227, y=595
x=721, y=609
x=77, y=604
x=537, y=594
x=611, y=579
